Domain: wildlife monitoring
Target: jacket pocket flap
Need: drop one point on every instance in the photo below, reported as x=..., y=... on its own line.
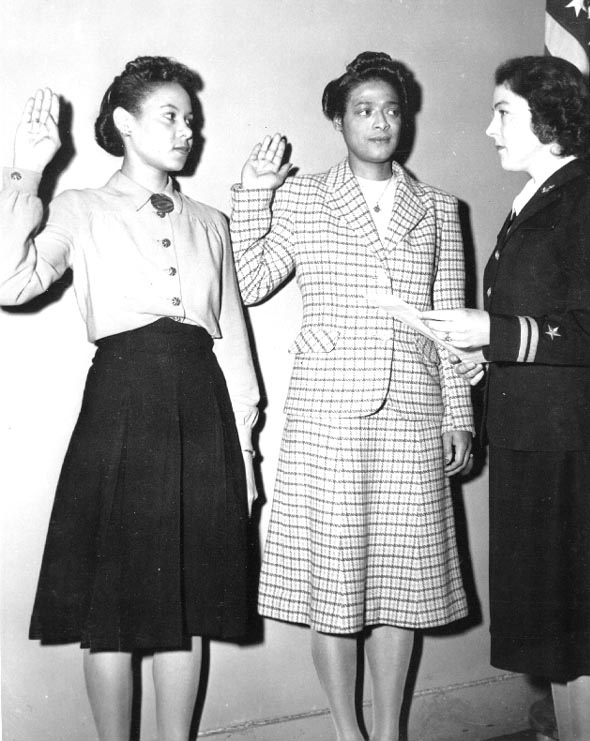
x=315, y=339
x=427, y=349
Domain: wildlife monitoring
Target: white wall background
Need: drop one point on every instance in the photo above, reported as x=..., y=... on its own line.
x=264, y=64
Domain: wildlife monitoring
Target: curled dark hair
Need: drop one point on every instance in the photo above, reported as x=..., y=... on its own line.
x=369, y=65
x=129, y=89
x=558, y=97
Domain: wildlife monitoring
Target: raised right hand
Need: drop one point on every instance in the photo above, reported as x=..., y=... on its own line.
x=37, y=136
x=263, y=167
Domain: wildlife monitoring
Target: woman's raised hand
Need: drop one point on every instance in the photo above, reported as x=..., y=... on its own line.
x=263, y=168
x=37, y=137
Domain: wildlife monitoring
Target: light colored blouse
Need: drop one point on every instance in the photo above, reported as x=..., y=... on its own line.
x=380, y=199
x=131, y=266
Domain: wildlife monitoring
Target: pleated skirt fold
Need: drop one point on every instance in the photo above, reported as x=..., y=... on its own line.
x=540, y=562
x=147, y=539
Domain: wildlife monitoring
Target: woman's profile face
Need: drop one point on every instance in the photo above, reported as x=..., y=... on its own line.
x=160, y=135
x=371, y=124
x=511, y=129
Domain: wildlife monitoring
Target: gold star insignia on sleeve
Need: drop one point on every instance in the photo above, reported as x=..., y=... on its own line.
x=553, y=332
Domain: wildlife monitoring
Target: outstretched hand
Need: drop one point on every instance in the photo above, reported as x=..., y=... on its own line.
x=467, y=369
x=263, y=168
x=37, y=136
x=463, y=328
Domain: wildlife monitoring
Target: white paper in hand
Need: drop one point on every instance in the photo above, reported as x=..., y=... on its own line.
x=410, y=315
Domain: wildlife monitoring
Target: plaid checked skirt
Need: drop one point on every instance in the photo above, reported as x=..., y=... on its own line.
x=361, y=530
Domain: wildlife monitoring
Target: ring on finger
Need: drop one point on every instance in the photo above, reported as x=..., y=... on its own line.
x=447, y=337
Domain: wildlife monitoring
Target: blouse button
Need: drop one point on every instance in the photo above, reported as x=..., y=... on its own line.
x=176, y=301
x=16, y=175
x=166, y=243
x=497, y=254
x=489, y=291
x=171, y=271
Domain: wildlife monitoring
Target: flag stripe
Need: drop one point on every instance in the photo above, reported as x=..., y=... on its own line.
x=561, y=43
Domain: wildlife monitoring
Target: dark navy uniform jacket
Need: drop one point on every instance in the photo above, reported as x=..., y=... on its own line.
x=537, y=291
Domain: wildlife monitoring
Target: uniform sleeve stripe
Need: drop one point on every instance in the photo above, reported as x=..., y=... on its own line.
x=524, y=339
x=534, y=340
x=529, y=339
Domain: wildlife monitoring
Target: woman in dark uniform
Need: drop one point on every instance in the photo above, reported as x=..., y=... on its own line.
x=535, y=331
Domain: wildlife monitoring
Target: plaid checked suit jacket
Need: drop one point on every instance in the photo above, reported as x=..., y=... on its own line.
x=349, y=355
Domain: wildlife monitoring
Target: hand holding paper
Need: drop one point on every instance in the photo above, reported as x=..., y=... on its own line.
x=463, y=328
x=440, y=326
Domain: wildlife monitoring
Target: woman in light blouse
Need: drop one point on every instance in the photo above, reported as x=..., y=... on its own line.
x=146, y=548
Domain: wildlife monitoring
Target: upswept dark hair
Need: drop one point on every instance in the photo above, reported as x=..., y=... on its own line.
x=368, y=65
x=129, y=89
x=558, y=97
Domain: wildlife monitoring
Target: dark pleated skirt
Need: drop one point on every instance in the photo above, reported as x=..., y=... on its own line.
x=148, y=534
x=540, y=562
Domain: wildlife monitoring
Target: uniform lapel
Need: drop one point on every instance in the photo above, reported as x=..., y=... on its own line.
x=503, y=233
x=549, y=192
x=540, y=201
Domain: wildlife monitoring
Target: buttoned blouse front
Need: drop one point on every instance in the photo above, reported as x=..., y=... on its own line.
x=132, y=265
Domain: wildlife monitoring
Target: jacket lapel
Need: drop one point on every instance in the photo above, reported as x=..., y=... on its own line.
x=346, y=199
x=408, y=208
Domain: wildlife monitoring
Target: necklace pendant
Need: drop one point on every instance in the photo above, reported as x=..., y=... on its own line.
x=376, y=208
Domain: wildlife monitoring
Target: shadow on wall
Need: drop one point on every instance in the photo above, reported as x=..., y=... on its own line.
x=413, y=107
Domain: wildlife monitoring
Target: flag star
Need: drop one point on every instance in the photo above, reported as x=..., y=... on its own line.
x=578, y=6
x=553, y=332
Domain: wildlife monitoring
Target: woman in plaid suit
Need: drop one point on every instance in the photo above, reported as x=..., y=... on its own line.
x=361, y=539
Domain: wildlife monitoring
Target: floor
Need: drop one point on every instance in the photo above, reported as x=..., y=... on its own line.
x=522, y=736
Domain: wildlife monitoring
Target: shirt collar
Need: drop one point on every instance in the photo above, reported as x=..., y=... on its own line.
x=139, y=195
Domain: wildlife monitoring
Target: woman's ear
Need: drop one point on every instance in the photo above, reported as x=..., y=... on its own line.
x=337, y=121
x=122, y=120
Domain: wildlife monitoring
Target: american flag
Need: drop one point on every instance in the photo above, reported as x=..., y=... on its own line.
x=567, y=31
